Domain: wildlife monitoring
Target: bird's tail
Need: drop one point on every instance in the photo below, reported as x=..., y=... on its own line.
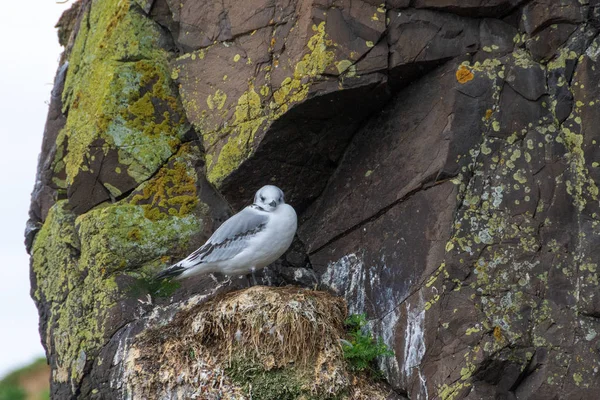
x=172, y=272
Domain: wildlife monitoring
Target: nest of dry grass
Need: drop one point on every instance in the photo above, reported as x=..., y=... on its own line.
x=265, y=328
x=258, y=343
x=276, y=327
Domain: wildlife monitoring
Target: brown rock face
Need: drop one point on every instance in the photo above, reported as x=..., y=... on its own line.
x=443, y=156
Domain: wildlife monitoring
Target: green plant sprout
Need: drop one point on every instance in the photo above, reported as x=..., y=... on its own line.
x=362, y=348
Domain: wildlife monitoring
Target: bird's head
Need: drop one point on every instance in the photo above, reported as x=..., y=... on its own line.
x=269, y=197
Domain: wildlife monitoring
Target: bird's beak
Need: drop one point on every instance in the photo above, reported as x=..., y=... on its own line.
x=273, y=204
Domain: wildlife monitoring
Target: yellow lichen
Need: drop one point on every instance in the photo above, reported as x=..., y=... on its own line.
x=311, y=65
x=173, y=188
x=216, y=100
x=343, y=65
x=250, y=114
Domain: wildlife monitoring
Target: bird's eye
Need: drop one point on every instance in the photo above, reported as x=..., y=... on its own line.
x=262, y=198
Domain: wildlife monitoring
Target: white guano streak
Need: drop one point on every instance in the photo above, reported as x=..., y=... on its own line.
x=414, y=345
x=346, y=277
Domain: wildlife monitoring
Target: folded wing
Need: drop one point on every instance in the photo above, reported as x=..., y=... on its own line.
x=230, y=239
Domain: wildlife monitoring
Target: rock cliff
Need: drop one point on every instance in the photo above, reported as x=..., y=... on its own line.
x=442, y=155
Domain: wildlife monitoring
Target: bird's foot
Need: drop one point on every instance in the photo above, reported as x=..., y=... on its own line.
x=248, y=282
x=227, y=280
x=252, y=271
x=148, y=300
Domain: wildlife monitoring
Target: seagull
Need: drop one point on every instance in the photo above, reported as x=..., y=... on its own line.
x=248, y=241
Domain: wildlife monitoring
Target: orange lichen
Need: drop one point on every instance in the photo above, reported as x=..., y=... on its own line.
x=464, y=74
x=488, y=112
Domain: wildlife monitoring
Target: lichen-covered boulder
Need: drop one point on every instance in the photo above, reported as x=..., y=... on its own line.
x=443, y=157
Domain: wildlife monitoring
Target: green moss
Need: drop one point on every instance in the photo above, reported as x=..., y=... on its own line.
x=276, y=384
x=119, y=94
x=290, y=383
x=155, y=288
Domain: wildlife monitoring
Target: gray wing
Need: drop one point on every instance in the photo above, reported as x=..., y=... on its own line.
x=230, y=239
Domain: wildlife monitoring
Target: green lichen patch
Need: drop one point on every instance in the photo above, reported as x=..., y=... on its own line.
x=158, y=218
x=55, y=244
x=124, y=239
x=172, y=192
x=119, y=98
x=249, y=118
x=77, y=260
x=314, y=63
x=579, y=182
x=119, y=94
x=78, y=296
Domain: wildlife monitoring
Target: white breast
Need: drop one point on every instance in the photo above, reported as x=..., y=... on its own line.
x=268, y=245
x=281, y=229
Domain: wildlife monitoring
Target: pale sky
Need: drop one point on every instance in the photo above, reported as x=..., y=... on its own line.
x=28, y=60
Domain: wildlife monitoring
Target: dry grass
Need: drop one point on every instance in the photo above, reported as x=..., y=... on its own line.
x=278, y=326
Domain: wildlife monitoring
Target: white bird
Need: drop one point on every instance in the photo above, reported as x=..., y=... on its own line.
x=248, y=241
